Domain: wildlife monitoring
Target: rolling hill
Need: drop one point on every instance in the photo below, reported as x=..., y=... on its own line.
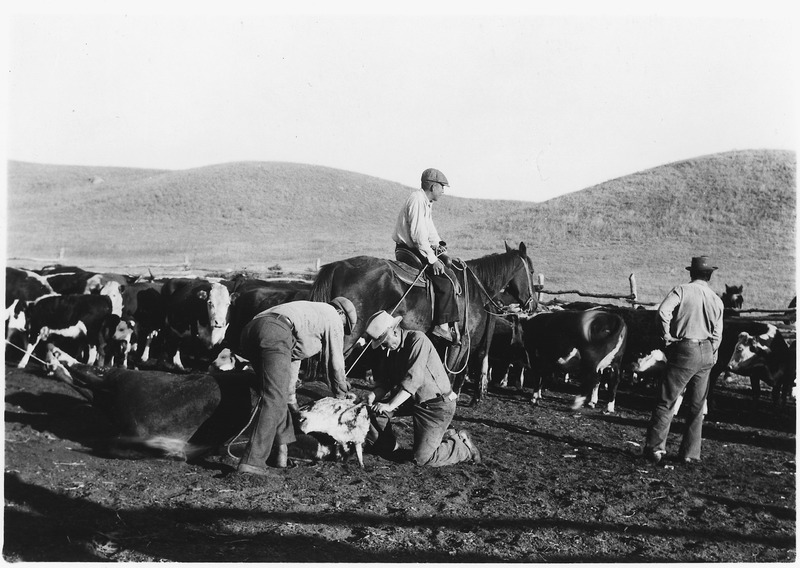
x=739, y=207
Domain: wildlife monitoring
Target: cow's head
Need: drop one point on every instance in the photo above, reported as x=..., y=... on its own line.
x=123, y=339
x=113, y=290
x=218, y=302
x=750, y=350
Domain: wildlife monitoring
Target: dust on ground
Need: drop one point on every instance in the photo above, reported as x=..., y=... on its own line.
x=555, y=486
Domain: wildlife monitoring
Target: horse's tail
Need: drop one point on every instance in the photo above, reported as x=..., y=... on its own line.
x=323, y=283
x=320, y=292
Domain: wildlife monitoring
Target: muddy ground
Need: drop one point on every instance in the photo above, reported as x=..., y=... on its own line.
x=555, y=485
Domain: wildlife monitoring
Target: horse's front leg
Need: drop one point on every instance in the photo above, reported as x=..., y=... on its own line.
x=483, y=381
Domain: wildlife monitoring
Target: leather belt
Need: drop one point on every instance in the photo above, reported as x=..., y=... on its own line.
x=434, y=400
x=281, y=317
x=698, y=341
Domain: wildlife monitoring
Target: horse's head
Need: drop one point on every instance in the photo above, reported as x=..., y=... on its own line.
x=521, y=278
x=732, y=297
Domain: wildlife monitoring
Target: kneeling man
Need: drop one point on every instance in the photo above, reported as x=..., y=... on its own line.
x=412, y=368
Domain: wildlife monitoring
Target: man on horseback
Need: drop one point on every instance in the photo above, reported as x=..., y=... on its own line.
x=415, y=233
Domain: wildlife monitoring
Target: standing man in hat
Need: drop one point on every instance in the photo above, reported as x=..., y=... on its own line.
x=275, y=341
x=414, y=232
x=691, y=321
x=413, y=369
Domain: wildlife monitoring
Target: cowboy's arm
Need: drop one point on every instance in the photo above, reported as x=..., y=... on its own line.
x=665, y=311
x=335, y=347
x=419, y=230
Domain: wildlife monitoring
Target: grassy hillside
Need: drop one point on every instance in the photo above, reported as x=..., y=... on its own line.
x=738, y=207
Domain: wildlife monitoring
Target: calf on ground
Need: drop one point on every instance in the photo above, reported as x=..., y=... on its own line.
x=341, y=419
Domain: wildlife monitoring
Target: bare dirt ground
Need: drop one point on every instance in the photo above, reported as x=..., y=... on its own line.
x=555, y=486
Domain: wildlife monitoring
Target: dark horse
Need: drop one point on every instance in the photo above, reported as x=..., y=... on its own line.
x=372, y=286
x=732, y=297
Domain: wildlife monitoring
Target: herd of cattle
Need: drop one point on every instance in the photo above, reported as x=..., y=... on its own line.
x=167, y=342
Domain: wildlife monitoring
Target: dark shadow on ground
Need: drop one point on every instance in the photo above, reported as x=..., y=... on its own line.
x=42, y=525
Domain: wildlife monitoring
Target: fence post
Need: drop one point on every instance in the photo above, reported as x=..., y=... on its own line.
x=539, y=285
x=318, y=264
x=634, y=293
x=61, y=254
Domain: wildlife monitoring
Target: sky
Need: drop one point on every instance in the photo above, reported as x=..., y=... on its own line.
x=510, y=100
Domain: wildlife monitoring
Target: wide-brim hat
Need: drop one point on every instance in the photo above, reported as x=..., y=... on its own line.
x=701, y=264
x=379, y=326
x=342, y=303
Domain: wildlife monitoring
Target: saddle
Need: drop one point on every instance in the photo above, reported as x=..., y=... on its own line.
x=408, y=271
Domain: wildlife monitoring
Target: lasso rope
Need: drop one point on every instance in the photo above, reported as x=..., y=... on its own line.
x=32, y=356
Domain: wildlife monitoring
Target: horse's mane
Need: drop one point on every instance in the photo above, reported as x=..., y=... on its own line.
x=488, y=268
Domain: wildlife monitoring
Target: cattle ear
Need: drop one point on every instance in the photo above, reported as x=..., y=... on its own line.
x=508, y=248
x=522, y=250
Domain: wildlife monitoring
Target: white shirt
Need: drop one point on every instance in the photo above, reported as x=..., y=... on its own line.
x=414, y=227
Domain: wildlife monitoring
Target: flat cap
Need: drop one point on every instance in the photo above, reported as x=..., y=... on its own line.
x=432, y=174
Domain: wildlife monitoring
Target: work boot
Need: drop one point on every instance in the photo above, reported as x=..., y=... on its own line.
x=473, y=449
x=443, y=331
x=256, y=470
x=456, y=334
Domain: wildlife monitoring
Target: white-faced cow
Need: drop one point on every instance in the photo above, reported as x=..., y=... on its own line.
x=196, y=320
x=764, y=357
x=590, y=342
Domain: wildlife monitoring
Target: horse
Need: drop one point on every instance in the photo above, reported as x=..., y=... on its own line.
x=372, y=285
x=732, y=297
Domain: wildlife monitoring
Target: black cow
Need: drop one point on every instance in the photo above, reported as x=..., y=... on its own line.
x=22, y=287
x=76, y=321
x=156, y=413
x=84, y=282
x=25, y=286
x=590, y=341
x=255, y=296
x=504, y=355
x=143, y=303
x=643, y=325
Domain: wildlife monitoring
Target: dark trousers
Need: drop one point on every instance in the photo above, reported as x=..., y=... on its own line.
x=430, y=424
x=267, y=342
x=445, y=309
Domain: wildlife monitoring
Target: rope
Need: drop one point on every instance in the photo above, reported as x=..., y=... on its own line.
x=421, y=271
x=500, y=311
x=347, y=372
x=466, y=333
x=32, y=356
x=246, y=426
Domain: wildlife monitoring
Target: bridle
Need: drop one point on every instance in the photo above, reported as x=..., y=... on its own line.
x=500, y=308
